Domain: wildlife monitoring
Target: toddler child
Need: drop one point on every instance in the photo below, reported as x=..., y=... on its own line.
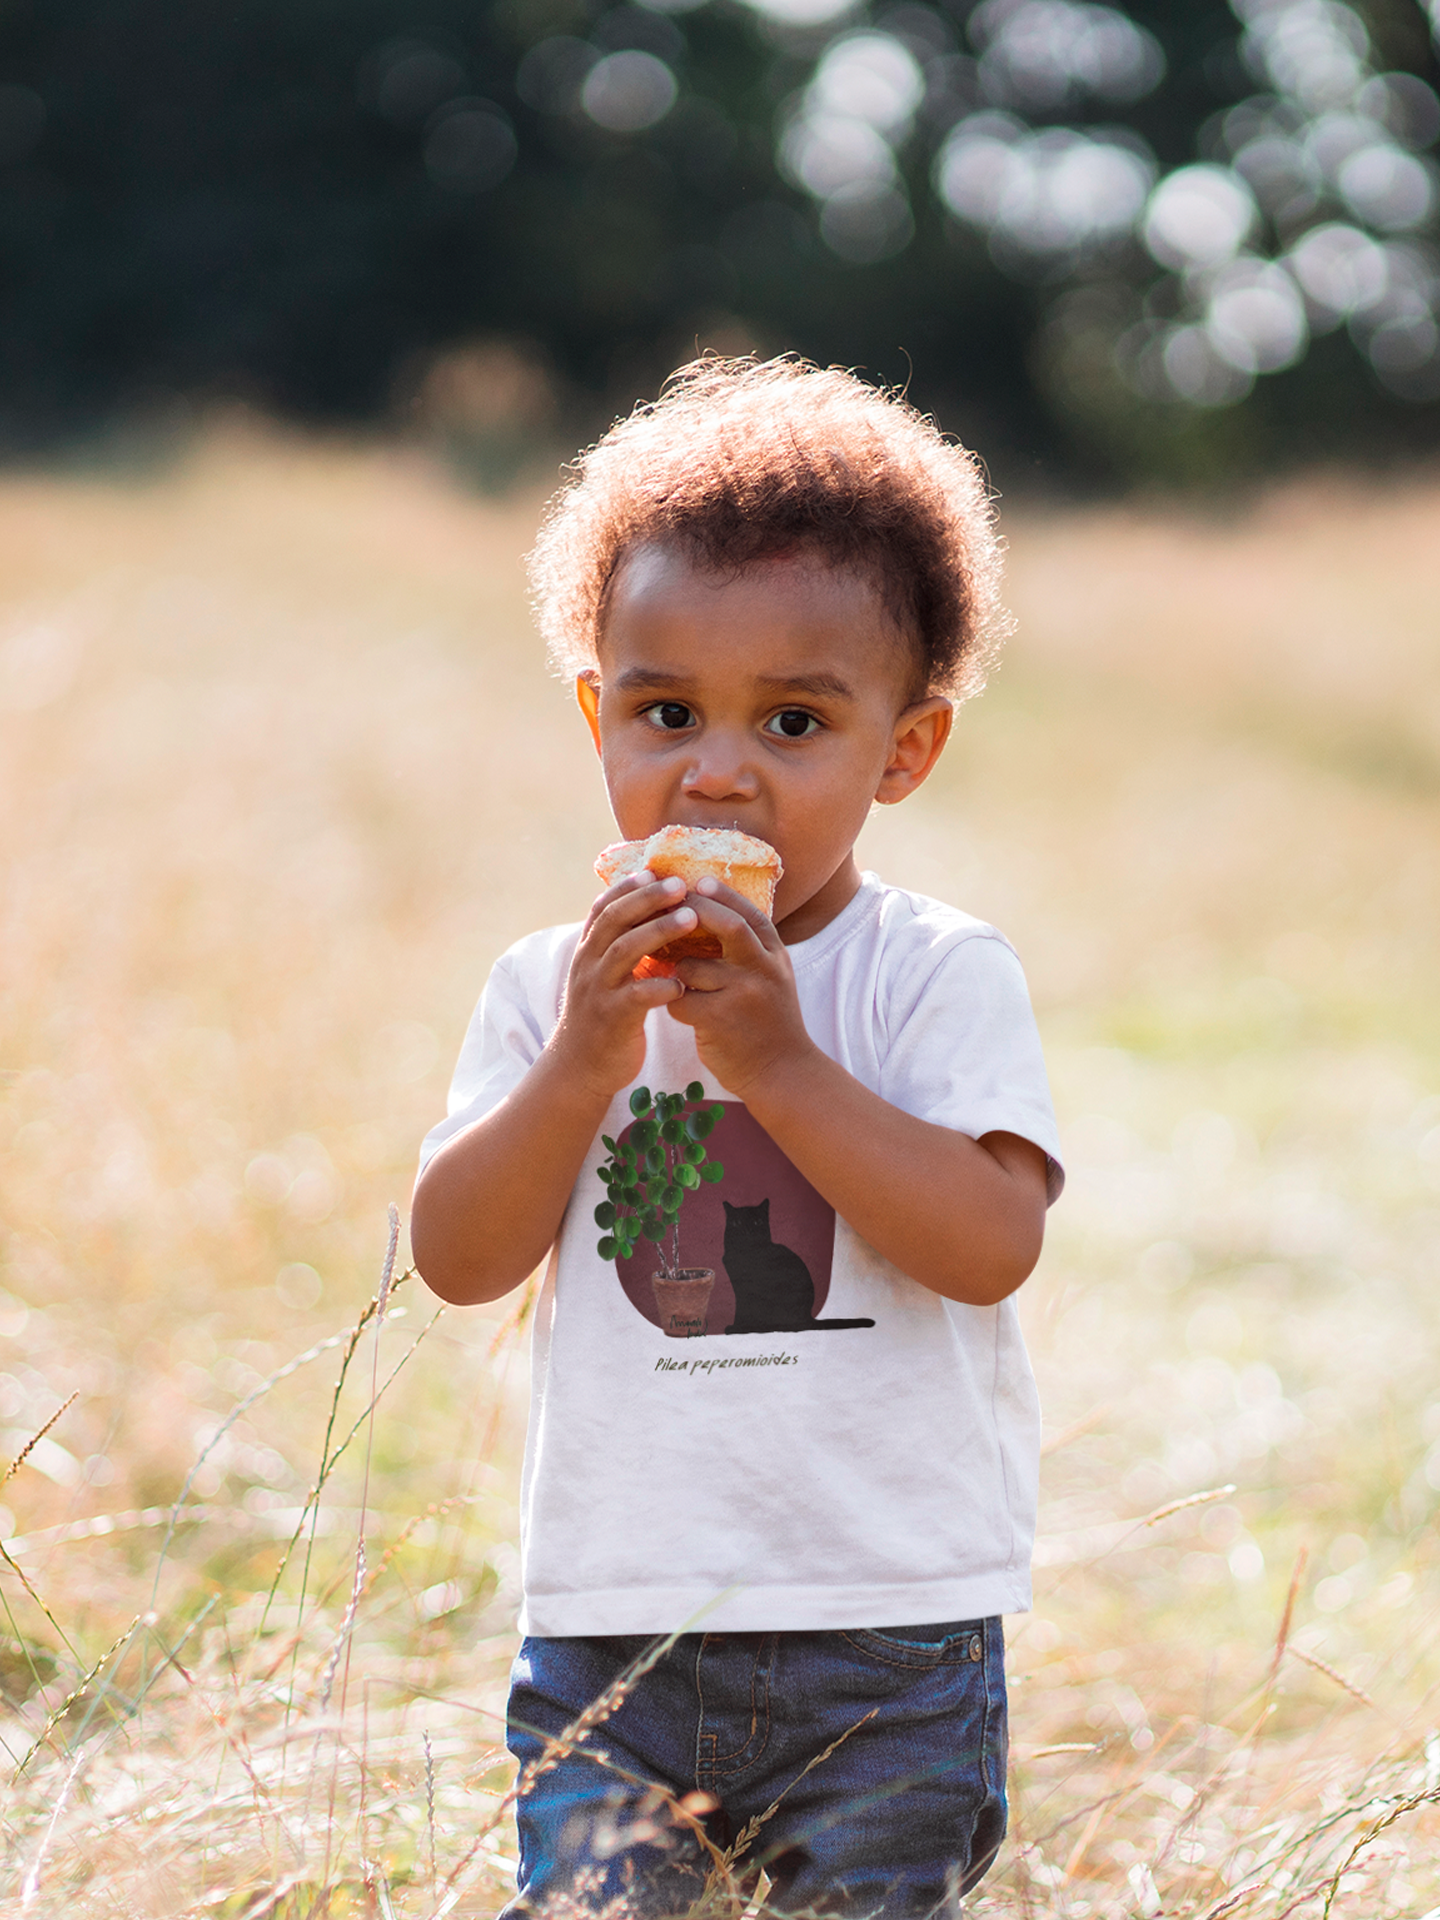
x=772, y=585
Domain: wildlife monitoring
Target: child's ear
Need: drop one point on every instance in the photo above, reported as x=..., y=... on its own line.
x=920, y=736
x=587, y=692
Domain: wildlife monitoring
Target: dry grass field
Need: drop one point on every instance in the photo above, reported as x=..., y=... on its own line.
x=280, y=773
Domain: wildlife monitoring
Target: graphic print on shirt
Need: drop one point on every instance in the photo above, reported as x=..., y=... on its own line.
x=764, y=1233
x=774, y=1291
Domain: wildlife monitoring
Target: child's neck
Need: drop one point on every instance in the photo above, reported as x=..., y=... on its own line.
x=822, y=906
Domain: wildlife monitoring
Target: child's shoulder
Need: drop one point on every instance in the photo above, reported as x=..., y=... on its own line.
x=914, y=926
x=918, y=952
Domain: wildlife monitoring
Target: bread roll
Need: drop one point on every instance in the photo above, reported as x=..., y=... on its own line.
x=738, y=860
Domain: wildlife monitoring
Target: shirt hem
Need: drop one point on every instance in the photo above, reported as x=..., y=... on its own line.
x=556, y=1616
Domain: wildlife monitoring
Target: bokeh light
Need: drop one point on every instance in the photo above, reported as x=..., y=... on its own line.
x=1045, y=56
x=802, y=13
x=1054, y=192
x=842, y=139
x=1199, y=217
x=626, y=92
x=470, y=145
x=1312, y=204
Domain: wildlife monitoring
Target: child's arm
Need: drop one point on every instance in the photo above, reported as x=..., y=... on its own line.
x=487, y=1208
x=963, y=1217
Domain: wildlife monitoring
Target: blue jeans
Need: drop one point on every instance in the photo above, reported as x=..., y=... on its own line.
x=903, y=1817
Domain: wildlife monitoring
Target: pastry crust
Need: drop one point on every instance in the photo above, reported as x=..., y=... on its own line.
x=738, y=860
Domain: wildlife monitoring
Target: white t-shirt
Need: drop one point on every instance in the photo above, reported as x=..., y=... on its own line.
x=803, y=1475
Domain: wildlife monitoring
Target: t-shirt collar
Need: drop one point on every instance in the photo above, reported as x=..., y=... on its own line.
x=862, y=904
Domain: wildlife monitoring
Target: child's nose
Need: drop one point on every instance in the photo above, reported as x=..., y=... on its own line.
x=721, y=770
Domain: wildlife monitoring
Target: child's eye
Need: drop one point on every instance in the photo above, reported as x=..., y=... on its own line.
x=792, y=723
x=672, y=715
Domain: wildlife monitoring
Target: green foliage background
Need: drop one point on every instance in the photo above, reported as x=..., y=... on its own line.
x=212, y=203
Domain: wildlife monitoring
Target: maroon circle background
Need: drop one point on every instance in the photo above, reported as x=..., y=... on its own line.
x=755, y=1170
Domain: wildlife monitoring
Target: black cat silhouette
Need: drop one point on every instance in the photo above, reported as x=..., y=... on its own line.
x=773, y=1289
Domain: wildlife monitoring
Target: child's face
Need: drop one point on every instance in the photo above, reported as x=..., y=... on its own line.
x=774, y=699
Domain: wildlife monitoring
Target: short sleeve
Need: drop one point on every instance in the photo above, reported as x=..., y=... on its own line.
x=507, y=1032
x=964, y=1051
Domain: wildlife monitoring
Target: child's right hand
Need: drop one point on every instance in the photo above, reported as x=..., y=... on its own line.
x=532, y=1145
x=600, y=1036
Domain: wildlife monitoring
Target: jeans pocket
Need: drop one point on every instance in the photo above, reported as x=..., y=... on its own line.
x=935, y=1644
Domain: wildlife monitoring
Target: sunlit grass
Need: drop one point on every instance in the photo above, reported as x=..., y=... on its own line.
x=280, y=772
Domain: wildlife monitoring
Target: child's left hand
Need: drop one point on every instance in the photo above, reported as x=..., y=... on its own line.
x=743, y=1007
x=964, y=1217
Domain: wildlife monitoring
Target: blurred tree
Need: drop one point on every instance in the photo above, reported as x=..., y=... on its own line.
x=1170, y=239
x=1196, y=197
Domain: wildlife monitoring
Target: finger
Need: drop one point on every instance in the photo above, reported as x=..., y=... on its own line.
x=741, y=940
x=700, y=975
x=608, y=895
x=625, y=952
x=636, y=898
x=764, y=927
x=686, y=1008
x=655, y=990
x=628, y=884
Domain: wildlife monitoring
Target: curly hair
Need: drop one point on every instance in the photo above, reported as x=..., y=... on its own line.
x=743, y=460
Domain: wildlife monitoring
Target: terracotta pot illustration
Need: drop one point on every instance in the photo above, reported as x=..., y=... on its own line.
x=684, y=1299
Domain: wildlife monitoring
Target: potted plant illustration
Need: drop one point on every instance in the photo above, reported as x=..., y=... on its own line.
x=647, y=1179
